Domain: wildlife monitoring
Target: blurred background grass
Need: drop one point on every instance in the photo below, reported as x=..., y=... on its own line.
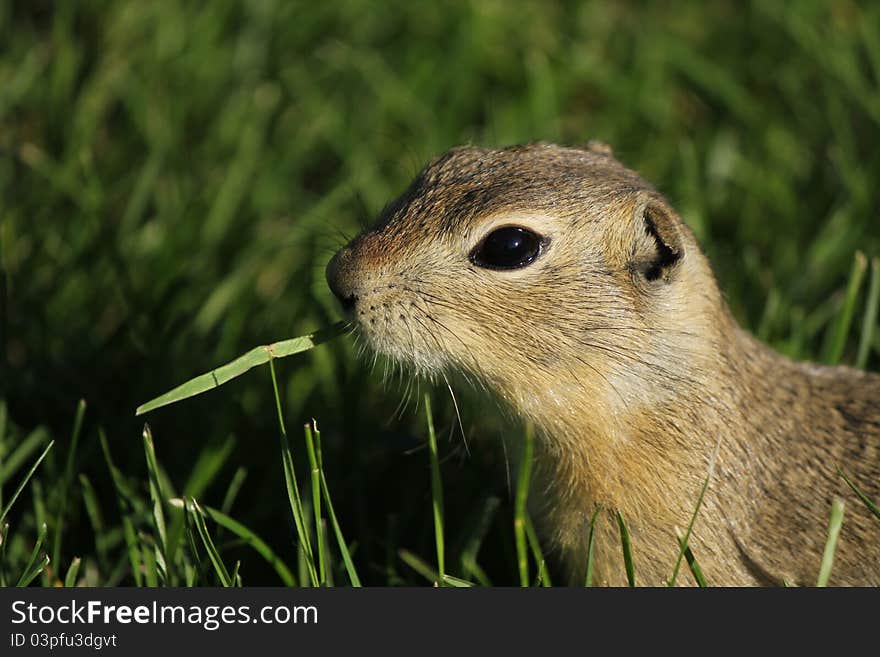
x=175, y=175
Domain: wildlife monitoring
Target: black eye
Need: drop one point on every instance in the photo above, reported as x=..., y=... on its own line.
x=510, y=247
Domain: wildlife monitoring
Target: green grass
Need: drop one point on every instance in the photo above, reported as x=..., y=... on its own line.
x=175, y=176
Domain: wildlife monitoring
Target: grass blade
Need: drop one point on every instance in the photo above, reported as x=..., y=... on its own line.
x=34, y=566
x=834, y=525
x=683, y=542
x=22, y=453
x=419, y=565
x=340, y=540
x=543, y=577
x=254, y=541
x=24, y=481
x=522, y=492
x=695, y=569
x=837, y=342
x=456, y=582
x=293, y=495
x=4, y=539
x=867, y=501
x=233, y=489
x=475, y=536
x=72, y=573
x=316, y=499
x=627, y=550
x=156, y=497
x=436, y=491
x=197, y=515
x=67, y=480
x=256, y=356
x=125, y=499
x=588, y=577
x=869, y=323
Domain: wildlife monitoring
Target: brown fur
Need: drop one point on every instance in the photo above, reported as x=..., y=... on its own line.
x=616, y=343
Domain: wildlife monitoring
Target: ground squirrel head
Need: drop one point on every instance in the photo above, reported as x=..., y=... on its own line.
x=539, y=270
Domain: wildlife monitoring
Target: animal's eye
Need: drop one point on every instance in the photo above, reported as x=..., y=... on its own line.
x=510, y=247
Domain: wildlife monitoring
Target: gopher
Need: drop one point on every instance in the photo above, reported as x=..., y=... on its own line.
x=561, y=282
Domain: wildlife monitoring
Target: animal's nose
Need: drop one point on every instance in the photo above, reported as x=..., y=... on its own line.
x=340, y=279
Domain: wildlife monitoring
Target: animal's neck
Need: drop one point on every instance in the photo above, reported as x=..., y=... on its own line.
x=640, y=439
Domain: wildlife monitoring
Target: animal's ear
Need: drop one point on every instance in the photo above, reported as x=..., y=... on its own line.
x=659, y=242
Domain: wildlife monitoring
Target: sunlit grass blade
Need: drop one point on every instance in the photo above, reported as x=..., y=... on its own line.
x=419, y=565
x=436, y=491
x=72, y=572
x=869, y=323
x=691, y=560
x=519, y=515
x=588, y=577
x=24, y=481
x=683, y=542
x=293, y=495
x=626, y=545
x=256, y=356
x=836, y=343
x=67, y=480
x=867, y=501
x=36, y=564
x=157, y=498
x=197, y=515
x=834, y=525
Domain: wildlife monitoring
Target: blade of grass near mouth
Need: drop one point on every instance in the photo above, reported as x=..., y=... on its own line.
x=834, y=525
x=256, y=356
